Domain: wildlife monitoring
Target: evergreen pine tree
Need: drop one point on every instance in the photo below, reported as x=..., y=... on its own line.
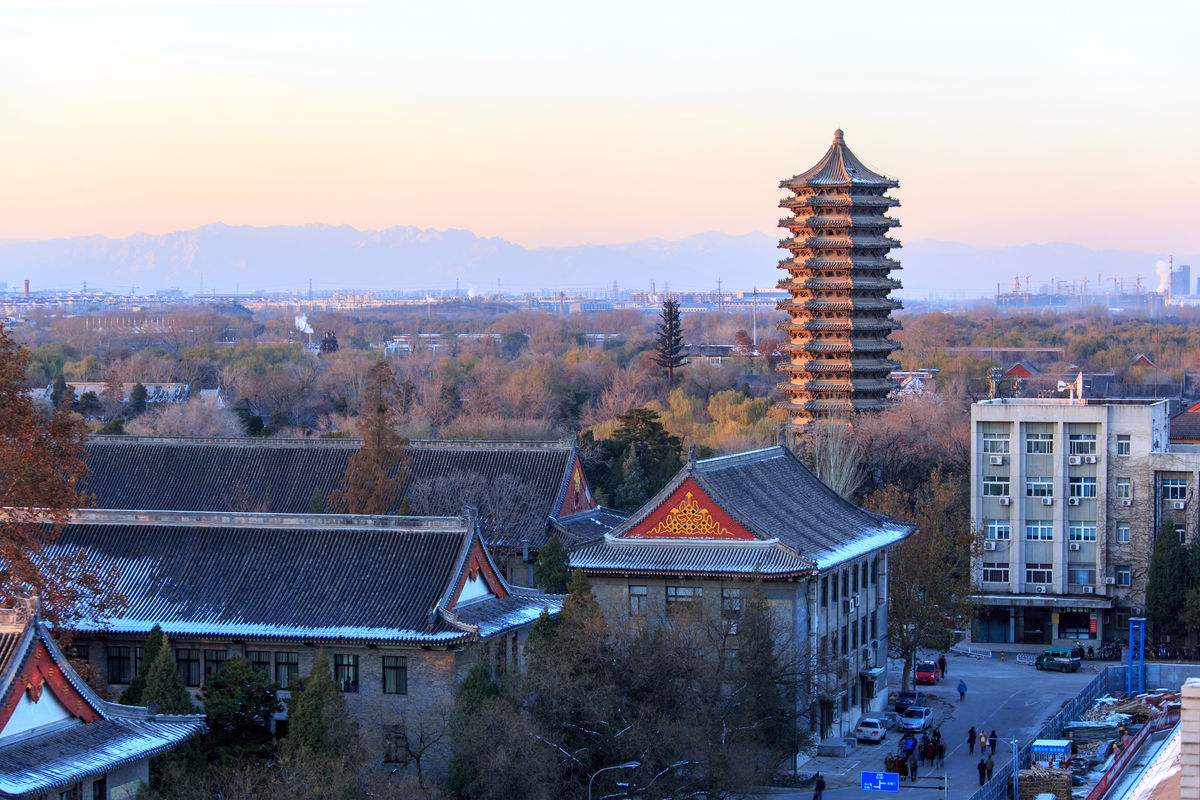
x=1167, y=583
x=137, y=399
x=668, y=347
x=550, y=572
x=660, y=453
x=316, y=502
x=164, y=689
x=378, y=471
x=59, y=391
x=634, y=489
x=132, y=696
x=239, y=703
x=760, y=676
x=317, y=725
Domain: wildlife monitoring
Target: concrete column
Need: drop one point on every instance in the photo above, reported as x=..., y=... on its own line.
x=1189, y=745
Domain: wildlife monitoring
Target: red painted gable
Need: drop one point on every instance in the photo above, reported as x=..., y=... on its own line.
x=39, y=673
x=1018, y=371
x=478, y=564
x=579, y=496
x=689, y=513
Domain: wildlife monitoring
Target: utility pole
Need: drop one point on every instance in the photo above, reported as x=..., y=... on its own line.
x=754, y=317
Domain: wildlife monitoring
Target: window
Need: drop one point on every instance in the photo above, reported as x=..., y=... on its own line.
x=680, y=597
x=1123, y=444
x=394, y=745
x=1083, y=487
x=1039, y=573
x=213, y=659
x=395, y=675
x=854, y=635
x=1124, y=574
x=287, y=669
x=833, y=582
x=79, y=652
x=1124, y=489
x=1081, y=532
x=1122, y=533
x=1181, y=532
x=845, y=640
x=345, y=671
x=994, y=486
x=1039, y=487
x=845, y=584
x=100, y=788
x=731, y=602
x=995, y=443
x=1039, y=530
x=120, y=664
x=1039, y=443
x=1174, y=488
x=875, y=624
x=998, y=529
x=137, y=659
x=866, y=572
x=824, y=646
x=187, y=660
x=1082, y=444
x=1081, y=576
x=74, y=793
x=824, y=592
x=995, y=572
x=834, y=641
x=637, y=600
x=261, y=660
x=854, y=571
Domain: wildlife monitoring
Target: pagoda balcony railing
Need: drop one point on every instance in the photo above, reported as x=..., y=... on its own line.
x=847, y=262
x=855, y=221
x=839, y=243
x=848, y=284
x=858, y=367
x=840, y=201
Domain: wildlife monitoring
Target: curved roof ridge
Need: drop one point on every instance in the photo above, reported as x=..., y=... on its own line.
x=338, y=442
x=840, y=167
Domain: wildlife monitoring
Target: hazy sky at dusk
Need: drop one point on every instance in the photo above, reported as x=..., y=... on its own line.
x=565, y=122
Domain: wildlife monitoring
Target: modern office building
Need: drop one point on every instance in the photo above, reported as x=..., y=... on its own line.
x=1068, y=495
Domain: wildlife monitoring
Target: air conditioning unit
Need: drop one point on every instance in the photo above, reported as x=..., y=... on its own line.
x=1006, y=501
x=1090, y=460
x=989, y=545
x=1073, y=501
x=996, y=461
x=1110, y=581
x=1075, y=546
x=1127, y=501
x=1179, y=505
x=1040, y=589
x=1047, y=501
x=1089, y=590
x=1074, y=461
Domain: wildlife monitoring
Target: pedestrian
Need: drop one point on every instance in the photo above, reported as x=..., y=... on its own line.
x=983, y=742
x=971, y=740
x=962, y=690
x=819, y=787
x=937, y=735
x=941, y=754
x=992, y=739
x=902, y=767
x=991, y=767
x=942, y=664
x=912, y=770
x=982, y=767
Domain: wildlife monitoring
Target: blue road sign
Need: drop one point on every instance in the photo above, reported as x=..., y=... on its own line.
x=880, y=781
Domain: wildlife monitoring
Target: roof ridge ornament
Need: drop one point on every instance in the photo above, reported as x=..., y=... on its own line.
x=839, y=137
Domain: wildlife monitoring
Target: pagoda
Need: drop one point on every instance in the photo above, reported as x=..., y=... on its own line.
x=839, y=353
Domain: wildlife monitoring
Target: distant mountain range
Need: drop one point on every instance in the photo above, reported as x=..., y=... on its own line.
x=229, y=258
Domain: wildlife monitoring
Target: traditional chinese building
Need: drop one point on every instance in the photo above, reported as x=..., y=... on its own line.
x=519, y=488
x=725, y=526
x=402, y=607
x=839, y=280
x=57, y=737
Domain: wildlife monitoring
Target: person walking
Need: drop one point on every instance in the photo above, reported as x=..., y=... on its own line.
x=991, y=767
x=992, y=740
x=962, y=690
x=942, y=664
x=982, y=768
x=912, y=770
x=819, y=787
x=971, y=740
x=937, y=735
x=983, y=742
x=902, y=767
x=941, y=754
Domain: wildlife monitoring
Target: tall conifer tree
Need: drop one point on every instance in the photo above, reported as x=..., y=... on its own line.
x=668, y=348
x=378, y=471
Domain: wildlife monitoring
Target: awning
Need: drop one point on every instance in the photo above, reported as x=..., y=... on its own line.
x=1055, y=601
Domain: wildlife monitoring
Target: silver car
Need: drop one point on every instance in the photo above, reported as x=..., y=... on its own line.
x=915, y=719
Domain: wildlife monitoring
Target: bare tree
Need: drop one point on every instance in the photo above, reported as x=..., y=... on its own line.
x=196, y=417
x=832, y=453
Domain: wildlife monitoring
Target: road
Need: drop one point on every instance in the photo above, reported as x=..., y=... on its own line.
x=1013, y=698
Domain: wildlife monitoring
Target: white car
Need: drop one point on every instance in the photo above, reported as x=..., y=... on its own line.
x=870, y=729
x=915, y=719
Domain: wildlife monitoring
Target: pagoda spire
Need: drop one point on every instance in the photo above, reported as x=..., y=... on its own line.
x=839, y=353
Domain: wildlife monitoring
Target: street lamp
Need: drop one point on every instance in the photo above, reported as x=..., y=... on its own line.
x=626, y=765
x=1016, y=767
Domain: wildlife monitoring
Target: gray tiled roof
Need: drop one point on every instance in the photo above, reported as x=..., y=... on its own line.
x=772, y=495
x=840, y=167
x=281, y=576
x=517, y=486
x=587, y=526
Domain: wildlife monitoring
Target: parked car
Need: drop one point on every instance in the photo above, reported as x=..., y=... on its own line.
x=915, y=719
x=1059, y=658
x=870, y=729
x=906, y=699
x=927, y=673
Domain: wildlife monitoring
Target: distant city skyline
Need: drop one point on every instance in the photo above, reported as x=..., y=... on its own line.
x=551, y=125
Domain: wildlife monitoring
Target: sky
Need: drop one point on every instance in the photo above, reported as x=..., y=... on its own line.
x=564, y=122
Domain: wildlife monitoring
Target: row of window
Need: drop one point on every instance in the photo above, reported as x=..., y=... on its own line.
x=679, y=597
x=850, y=636
x=1038, y=486
x=1079, y=444
x=997, y=572
x=197, y=666
x=862, y=575
x=1043, y=530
